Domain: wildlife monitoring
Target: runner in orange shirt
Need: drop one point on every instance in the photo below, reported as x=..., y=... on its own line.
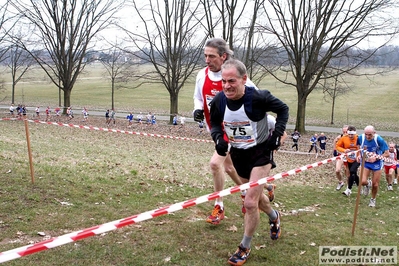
x=339, y=163
x=347, y=144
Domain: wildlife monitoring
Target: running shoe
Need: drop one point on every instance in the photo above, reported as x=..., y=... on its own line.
x=275, y=230
x=395, y=181
x=340, y=185
x=372, y=202
x=390, y=188
x=240, y=256
x=216, y=216
x=347, y=192
x=366, y=189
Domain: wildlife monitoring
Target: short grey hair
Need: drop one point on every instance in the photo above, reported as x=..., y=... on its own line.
x=369, y=128
x=221, y=46
x=237, y=64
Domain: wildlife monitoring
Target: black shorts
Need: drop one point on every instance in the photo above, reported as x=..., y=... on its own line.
x=244, y=160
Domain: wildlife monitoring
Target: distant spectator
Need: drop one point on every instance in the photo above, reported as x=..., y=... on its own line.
x=129, y=118
x=313, y=143
x=149, y=116
x=12, y=110
x=322, y=139
x=48, y=113
x=19, y=111
x=107, y=120
x=24, y=110
x=295, y=138
x=57, y=111
x=174, y=120
x=85, y=114
x=153, y=119
x=113, y=116
x=140, y=118
x=37, y=111
x=70, y=113
x=182, y=120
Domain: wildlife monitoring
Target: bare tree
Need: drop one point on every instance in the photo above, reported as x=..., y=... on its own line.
x=333, y=88
x=250, y=46
x=249, y=36
x=313, y=33
x=237, y=21
x=65, y=30
x=7, y=22
x=19, y=62
x=166, y=39
x=225, y=19
x=117, y=66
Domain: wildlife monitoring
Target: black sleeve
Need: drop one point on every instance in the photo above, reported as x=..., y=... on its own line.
x=266, y=102
x=216, y=118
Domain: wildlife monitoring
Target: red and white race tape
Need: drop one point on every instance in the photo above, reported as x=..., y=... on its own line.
x=377, y=156
x=370, y=154
x=112, y=130
x=78, y=235
x=380, y=157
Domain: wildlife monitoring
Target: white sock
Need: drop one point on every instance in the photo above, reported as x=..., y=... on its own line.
x=220, y=203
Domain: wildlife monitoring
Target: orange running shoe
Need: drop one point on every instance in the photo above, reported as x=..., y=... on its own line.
x=275, y=229
x=240, y=256
x=216, y=216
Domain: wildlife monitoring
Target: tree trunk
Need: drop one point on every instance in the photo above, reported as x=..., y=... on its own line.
x=112, y=93
x=300, y=115
x=174, y=103
x=332, y=111
x=13, y=93
x=67, y=99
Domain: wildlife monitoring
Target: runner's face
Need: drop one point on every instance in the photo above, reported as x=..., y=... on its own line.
x=233, y=85
x=369, y=134
x=213, y=59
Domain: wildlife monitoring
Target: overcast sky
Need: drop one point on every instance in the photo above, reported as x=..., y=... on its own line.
x=130, y=20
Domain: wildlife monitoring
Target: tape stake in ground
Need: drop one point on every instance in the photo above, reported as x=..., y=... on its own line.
x=99, y=229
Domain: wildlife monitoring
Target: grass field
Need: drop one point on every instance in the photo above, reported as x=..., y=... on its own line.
x=84, y=178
